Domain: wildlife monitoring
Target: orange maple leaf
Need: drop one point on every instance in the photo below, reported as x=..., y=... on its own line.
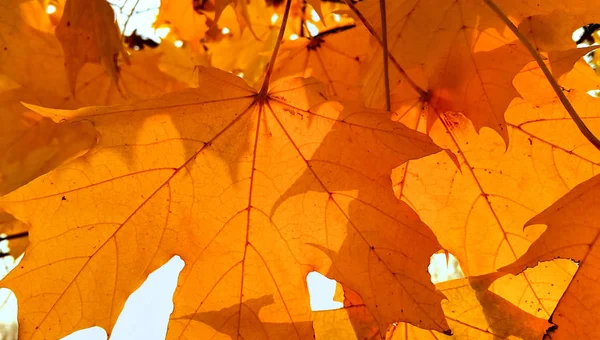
x=242, y=188
x=31, y=145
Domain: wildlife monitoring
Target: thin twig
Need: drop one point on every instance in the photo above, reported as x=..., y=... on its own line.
x=422, y=93
x=334, y=30
x=386, y=73
x=142, y=11
x=13, y=236
x=557, y=89
x=128, y=17
x=265, y=85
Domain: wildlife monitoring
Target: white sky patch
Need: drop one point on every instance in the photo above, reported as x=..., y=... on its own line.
x=146, y=312
x=442, y=270
x=142, y=17
x=321, y=290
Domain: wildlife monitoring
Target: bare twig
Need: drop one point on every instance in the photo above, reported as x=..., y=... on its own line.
x=386, y=73
x=129, y=17
x=13, y=236
x=265, y=85
x=557, y=89
x=422, y=93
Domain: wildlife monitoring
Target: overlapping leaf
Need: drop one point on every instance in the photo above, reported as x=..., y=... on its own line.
x=30, y=144
x=334, y=56
x=183, y=19
x=478, y=212
x=88, y=33
x=552, y=31
x=252, y=48
x=460, y=52
x=241, y=11
x=572, y=233
x=26, y=47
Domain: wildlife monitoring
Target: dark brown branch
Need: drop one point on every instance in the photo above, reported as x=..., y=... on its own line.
x=14, y=236
x=386, y=72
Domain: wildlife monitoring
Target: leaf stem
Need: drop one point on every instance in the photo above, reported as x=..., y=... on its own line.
x=422, y=93
x=386, y=73
x=557, y=89
x=265, y=85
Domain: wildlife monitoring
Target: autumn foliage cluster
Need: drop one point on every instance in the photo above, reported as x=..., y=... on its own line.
x=345, y=144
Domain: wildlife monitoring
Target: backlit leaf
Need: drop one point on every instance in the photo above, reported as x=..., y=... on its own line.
x=572, y=233
x=251, y=193
x=88, y=33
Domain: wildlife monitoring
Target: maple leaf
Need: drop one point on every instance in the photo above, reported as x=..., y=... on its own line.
x=552, y=31
x=241, y=12
x=88, y=33
x=478, y=212
x=24, y=31
x=572, y=233
x=214, y=198
x=253, y=47
x=30, y=144
x=459, y=52
x=455, y=55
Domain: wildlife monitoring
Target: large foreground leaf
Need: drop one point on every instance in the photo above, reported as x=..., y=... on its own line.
x=252, y=191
